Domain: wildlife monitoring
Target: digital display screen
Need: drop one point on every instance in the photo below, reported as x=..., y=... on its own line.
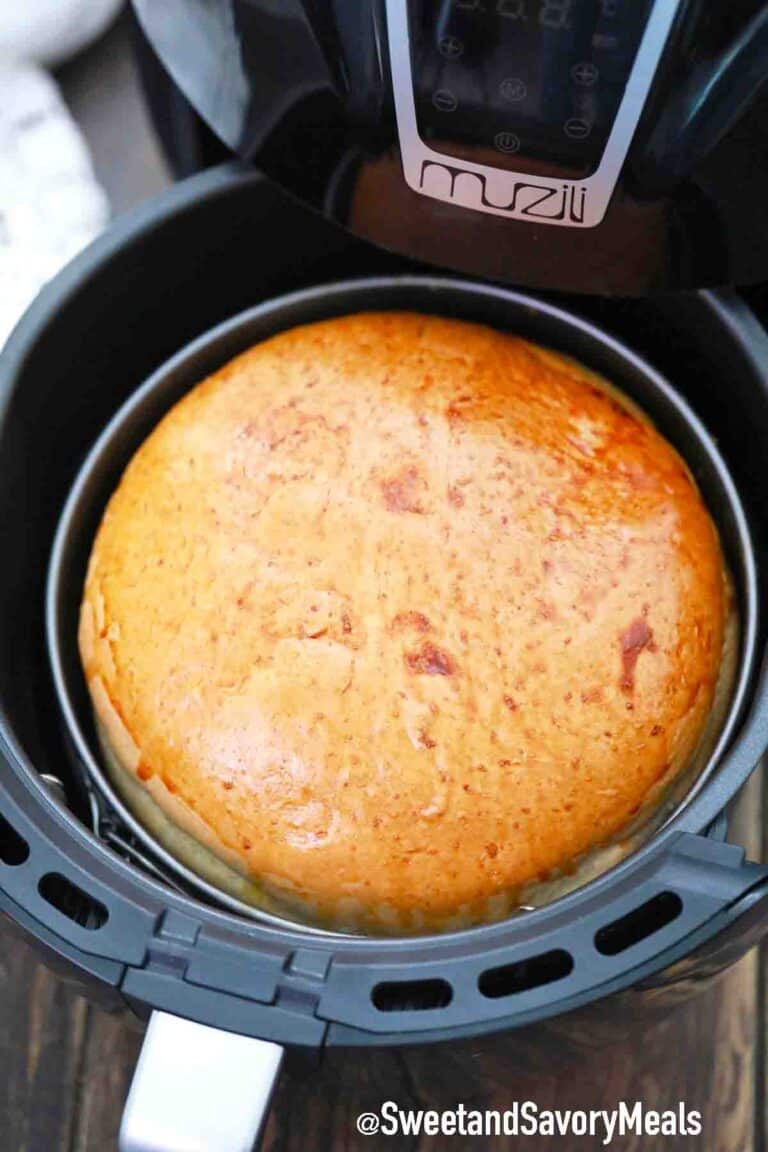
x=527, y=85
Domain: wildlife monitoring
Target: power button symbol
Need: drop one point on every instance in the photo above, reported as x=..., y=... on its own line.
x=507, y=142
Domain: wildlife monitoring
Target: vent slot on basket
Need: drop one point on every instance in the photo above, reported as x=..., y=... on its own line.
x=534, y=972
x=72, y=902
x=638, y=924
x=412, y=995
x=14, y=849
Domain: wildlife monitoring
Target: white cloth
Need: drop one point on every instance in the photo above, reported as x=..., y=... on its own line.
x=49, y=31
x=50, y=203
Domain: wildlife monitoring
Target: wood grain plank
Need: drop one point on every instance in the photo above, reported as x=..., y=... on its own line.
x=63, y=1088
x=66, y=1068
x=111, y=1049
x=704, y=1051
x=41, y=1041
x=702, y=1054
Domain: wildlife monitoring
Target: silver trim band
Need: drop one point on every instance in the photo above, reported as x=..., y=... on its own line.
x=519, y=195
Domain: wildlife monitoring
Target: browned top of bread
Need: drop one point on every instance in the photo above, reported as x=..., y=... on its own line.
x=400, y=614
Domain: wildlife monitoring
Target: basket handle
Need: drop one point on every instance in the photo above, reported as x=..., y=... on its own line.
x=198, y=1087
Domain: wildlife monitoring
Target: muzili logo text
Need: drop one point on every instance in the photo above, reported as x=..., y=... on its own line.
x=528, y=200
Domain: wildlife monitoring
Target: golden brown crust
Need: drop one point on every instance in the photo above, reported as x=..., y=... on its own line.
x=408, y=613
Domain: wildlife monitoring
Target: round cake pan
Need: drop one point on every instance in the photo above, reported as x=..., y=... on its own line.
x=523, y=315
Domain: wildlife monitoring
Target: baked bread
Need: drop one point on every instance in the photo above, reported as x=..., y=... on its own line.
x=396, y=617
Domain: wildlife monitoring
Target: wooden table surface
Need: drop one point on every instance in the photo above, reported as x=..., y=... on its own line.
x=65, y=1067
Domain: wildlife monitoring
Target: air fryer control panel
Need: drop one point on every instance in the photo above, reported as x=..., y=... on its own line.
x=458, y=133
x=524, y=108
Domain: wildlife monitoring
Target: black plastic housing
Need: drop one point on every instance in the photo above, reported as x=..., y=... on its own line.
x=209, y=248
x=305, y=90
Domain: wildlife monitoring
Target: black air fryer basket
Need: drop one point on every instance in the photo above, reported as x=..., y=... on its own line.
x=76, y=871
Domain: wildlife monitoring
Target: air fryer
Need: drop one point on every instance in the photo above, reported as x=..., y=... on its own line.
x=609, y=146
x=319, y=96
